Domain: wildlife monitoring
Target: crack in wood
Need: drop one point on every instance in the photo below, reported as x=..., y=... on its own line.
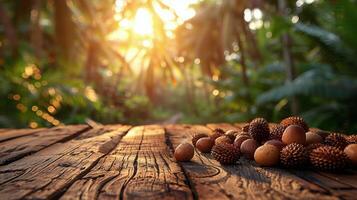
x=187, y=179
x=135, y=166
x=61, y=170
x=18, y=148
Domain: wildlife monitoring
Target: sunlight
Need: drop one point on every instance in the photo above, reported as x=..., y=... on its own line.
x=142, y=24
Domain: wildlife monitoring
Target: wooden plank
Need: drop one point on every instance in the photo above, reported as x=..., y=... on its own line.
x=210, y=180
x=15, y=133
x=141, y=166
x=336, y=188
x=5, y=129
x=47, y=173
x=15, y=149
x=347, y=177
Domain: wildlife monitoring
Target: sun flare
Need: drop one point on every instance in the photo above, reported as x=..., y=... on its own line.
x=142, y=23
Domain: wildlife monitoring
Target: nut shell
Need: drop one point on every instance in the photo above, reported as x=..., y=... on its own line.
x=277, y=143
x=313, y=138
x=267, y=155
x=277, y=132
x=245, y=128
x=336, y=140
x=259, y=129
x=223, y=139
x=294, y=120
x=294, y=134
x=184, y=152
x=232, y=134
x=217, y=133
x=351, y=139
x=351, y=152
x=248, y=148
x=328, y=158
x=205, y=144
x=240, y=139
x=293, y=155
x=197, y=136
x=225, y=153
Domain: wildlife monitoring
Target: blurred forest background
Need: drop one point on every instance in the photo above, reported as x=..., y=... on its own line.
x=190, y=61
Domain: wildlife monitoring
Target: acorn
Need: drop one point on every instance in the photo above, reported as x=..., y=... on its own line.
x=248, y=147
x=217, y=133
x=232, y=134
x=259, y=129
x=279, y=144
x=295, y=121
x=351, y=152
x=277, y=132
x=225, y=153
x=336, y=140
x=205, y=144
x=293, y=155
x=197, y=136
x=240, y=139
x=184, y=152
x=223, y=139
x=267, y=155
x=328, y=158
x=313, y=138
x=294, y=134
x=351, y=139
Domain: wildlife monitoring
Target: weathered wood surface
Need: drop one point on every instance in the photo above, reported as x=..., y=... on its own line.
x=17, y=148
x=141, y=166
x=7, y=134
x=124, y=162
x=47, y=173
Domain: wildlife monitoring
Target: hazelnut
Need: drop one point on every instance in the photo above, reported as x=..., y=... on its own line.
x=205, y=144
x=313, y=138
x=351, y=152
x=267, y=155
x=240, y=139
x=279, y=144
x=184, y=152
x=248, y=147
x=294, y=134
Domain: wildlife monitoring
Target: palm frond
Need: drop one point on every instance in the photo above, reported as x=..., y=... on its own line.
x=330, y=41
x=320, y=82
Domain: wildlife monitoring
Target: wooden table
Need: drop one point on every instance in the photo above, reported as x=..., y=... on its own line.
x=136, y=162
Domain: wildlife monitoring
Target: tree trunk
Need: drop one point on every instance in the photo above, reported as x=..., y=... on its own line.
x=36, y=32
x=9, y=30
x=64, y=29
x=288, y=59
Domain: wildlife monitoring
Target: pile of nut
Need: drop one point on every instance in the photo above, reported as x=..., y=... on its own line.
x=290, y=144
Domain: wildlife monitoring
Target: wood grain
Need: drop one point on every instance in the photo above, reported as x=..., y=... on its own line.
x=15, y=149
x=241, y=181
x=120, y=162
x=47, y=173
x=140, y=167
x=8, y=134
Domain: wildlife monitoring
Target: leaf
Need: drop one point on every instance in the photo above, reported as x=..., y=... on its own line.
x=321, y=82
